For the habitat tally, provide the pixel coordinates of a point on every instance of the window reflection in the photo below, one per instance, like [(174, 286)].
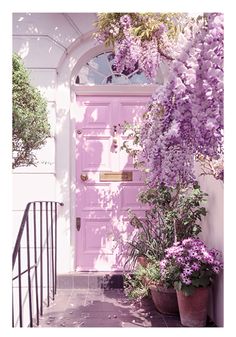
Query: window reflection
[(101, 70)]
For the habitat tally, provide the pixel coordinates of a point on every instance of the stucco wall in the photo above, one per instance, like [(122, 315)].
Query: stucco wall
[(213, 235), (43, 40), (51, 45)]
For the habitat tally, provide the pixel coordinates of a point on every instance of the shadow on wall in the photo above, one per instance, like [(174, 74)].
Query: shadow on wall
[(213, 234)]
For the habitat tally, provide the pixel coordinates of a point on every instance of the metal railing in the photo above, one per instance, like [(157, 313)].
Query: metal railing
[(37, 242)]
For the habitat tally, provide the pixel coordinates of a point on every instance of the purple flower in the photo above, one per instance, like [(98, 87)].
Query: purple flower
[(163, 263), (193, 253), (180, 260), (216, 269), (185, 279), (187, 271), (195, 266), (125, 20), (189, 264)]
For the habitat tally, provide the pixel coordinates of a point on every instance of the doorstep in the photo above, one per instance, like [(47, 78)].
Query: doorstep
[(90, 280)]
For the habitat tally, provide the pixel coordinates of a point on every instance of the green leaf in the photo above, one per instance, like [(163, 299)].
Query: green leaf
[(188, 290), (177, 285), (196, 282)]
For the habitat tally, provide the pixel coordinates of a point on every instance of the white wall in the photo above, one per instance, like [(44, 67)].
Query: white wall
[(50, 46), (43, 40), (213, 236)]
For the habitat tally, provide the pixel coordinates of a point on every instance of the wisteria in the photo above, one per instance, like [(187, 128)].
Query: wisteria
[(193, 264), (140, 40), (184, 121), (185, 118)]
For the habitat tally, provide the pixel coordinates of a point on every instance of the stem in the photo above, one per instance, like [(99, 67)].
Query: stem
[(164, 54)]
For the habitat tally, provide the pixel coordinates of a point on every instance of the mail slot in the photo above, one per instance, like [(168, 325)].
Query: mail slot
[(116, 176)]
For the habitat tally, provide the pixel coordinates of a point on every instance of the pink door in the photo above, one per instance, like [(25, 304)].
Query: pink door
[(104, 193)]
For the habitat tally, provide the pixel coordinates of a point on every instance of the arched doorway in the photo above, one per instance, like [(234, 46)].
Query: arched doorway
[(107, 184)]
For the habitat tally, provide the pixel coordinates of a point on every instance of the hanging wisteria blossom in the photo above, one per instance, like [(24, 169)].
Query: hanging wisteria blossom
[(184, 121), (139, 40), (186, 116)]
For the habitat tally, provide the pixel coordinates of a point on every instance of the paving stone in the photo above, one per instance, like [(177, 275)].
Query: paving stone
[(103, 308), (65, 282), (81, 282)]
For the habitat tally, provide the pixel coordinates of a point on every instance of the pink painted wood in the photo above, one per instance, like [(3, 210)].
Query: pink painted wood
[(102, 206)]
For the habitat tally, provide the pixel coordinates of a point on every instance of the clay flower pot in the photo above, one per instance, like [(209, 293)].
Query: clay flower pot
[(193, 308), (165, 299)]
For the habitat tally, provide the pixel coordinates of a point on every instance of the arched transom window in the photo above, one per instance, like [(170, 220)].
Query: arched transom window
[(101, 70)]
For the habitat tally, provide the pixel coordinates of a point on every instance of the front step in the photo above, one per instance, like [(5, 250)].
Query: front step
[(90, 280)]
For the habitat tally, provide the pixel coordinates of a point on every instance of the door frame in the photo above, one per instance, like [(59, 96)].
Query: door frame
[(93, 90)]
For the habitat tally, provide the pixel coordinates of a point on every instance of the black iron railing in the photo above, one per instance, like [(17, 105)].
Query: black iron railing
[(34, 263)]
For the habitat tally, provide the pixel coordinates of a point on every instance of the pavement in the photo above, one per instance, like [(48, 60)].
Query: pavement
[(103, 308)]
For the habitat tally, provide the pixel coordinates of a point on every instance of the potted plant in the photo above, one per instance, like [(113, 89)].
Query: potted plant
[(162, 292), (173, 214), (193, 268), (135, 286)]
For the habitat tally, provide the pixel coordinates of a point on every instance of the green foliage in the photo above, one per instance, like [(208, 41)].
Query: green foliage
[(137, 284), (180, 209), (152, 272), (174, 215), (134, 285), (150, 240), (30, 124), (144, 25)]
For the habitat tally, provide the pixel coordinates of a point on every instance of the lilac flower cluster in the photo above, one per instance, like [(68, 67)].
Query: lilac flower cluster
[(186, 117), (131, 50), (191, 261)]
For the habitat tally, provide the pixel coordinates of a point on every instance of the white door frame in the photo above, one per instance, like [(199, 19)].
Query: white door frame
[(94, 90)]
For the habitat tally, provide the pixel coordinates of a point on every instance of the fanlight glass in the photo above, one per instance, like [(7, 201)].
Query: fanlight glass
[(101, 70)]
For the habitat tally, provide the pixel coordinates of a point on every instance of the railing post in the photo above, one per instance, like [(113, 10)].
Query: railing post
[(47, 246), (41, 242), (28, 267), (55, 248), (19, 287), (52, 254), (36, 265), (41, 259)]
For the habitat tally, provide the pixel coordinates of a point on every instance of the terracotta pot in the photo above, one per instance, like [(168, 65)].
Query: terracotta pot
[(165, 299), (193, 309), (142, 260)]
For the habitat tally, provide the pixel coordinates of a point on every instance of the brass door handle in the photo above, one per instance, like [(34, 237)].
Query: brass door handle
[(84, 176)]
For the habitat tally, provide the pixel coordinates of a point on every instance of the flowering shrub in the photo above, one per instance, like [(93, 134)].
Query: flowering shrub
[(185, 118), (139, 38), (189, 264)]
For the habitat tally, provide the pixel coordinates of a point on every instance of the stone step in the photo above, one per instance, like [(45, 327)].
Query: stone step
[(90, 280)]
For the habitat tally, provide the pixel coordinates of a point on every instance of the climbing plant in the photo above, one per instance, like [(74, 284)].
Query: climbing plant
[(184, 120), (139, 38)]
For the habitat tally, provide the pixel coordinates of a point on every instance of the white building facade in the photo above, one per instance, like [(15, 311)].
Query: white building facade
[(55, 48)]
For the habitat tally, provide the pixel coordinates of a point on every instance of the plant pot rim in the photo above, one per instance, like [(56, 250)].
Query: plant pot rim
[(195, 288), (162, 288)]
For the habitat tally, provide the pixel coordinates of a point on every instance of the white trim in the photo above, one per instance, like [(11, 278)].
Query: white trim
[(115, 89), (67, 111)]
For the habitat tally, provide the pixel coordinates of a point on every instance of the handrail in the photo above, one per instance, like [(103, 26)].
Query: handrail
[(46, 226)]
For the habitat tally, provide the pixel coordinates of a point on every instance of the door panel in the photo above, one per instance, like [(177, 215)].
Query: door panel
[(102, 206)]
